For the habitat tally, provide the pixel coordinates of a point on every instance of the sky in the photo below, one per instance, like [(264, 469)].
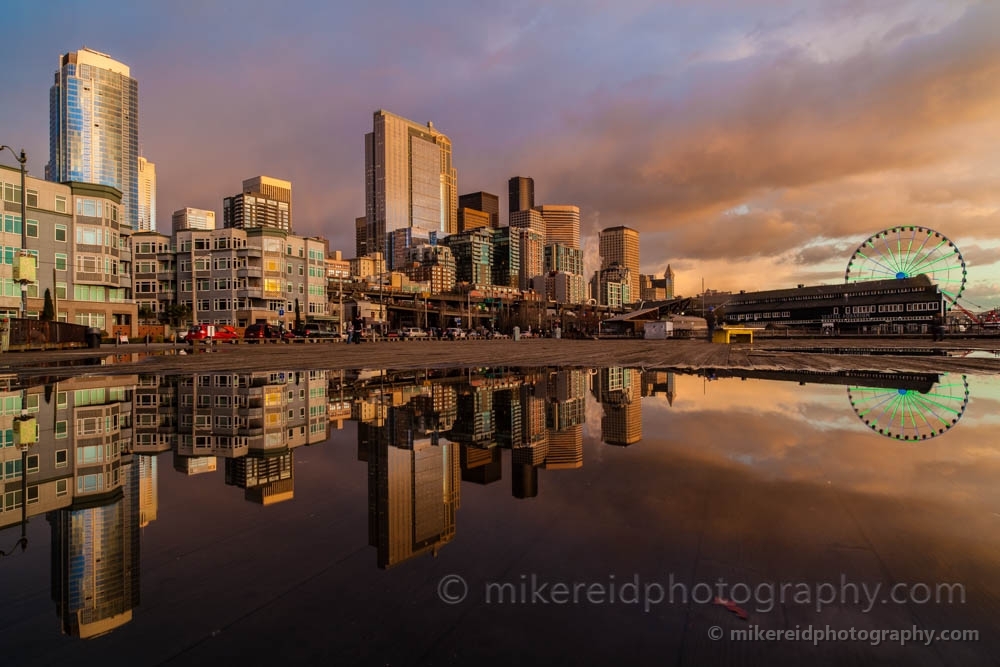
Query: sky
[(753, 144)]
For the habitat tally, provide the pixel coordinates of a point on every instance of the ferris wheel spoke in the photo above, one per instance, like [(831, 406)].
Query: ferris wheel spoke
[(888, 271), (920, 251), (889, 259), (929, 263)]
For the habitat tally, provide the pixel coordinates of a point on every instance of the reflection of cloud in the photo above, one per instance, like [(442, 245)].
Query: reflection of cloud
[(810, 433)]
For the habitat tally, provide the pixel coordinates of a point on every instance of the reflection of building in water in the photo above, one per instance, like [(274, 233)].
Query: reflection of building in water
[(232, 414), (148, 489), (566, 415), (474, 422), (267, 478), (95, 556), (194, 465), (659, 383), (155, 407), (413, 485), (619, 391), (254, 421), (481, 466)]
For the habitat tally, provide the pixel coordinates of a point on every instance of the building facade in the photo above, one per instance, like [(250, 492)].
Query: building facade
[(562, 224), (192, 218), (482, 201), (520, 194), (410, 182), (147, 195), (253, 209), (620, 245), (94, 127), (81, 243)]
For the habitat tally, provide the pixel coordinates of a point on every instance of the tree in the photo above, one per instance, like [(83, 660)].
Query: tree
[(49, 309), (145, 314), (176, 313)]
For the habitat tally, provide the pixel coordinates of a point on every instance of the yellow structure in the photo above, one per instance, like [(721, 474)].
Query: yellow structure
[(732, 335)]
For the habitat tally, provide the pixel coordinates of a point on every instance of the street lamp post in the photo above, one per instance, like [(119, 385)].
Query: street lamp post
[(25, 428), (23, 160)]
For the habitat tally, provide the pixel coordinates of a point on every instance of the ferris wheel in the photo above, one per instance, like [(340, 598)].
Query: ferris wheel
[(909, 414), (906, 252)]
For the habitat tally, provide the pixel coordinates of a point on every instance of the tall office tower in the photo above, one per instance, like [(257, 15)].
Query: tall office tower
[(485, 202), (528, 219), (264, 202), (470, 218), (520, 194), (409, 181), (620, 245), (147, 196), (94, 126), (192, 218), (562, 224), (360, 237)]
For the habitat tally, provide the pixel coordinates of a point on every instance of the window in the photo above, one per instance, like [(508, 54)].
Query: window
[(33, 228), (32, 494), (32, 198), (60, 232), (61, 487), (60, 204), (33, 463), (61, 261)]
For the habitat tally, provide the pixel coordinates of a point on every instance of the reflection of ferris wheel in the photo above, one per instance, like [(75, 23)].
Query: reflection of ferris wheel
[(908, 414), (906, 252)]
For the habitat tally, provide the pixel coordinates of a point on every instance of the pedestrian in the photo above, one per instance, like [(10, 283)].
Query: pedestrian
[(710, 322)]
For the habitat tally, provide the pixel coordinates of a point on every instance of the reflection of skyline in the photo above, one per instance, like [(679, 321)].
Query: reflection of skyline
[(419, 435)]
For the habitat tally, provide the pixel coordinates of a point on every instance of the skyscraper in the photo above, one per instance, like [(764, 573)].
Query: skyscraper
[(409, 181), (562, 224), (520, 194), (193, 218), (147, 196), (620, 245), (94, 126), (485, 202), (264, 202)]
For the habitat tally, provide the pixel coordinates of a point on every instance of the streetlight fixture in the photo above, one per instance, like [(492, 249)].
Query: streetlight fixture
[(24, 268)]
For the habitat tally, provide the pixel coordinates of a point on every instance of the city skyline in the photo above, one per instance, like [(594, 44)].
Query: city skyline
[(755, 148)]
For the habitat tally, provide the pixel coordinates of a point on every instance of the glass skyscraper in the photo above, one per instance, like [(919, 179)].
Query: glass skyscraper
[(94, 126), (409, 182)]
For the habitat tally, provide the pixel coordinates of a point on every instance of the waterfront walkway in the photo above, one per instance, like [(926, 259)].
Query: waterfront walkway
[(825, 354)]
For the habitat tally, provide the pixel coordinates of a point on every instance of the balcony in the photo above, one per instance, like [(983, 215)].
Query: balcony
[(249, 252), (250, 272)]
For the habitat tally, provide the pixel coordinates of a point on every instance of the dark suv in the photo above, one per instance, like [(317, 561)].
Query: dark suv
[(259, 332), (315, 331)]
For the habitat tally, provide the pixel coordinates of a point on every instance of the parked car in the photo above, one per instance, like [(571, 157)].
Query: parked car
[(208, 332), (454, 333), (315, 331), (256, 333), (413, 332)]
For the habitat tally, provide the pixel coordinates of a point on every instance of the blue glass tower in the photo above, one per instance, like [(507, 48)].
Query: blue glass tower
[(94, 126)]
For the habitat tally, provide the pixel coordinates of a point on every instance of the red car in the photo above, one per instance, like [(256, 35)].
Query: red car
[(259, 332), (206, 332)]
